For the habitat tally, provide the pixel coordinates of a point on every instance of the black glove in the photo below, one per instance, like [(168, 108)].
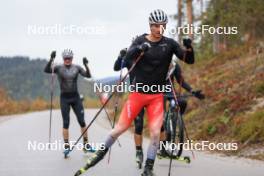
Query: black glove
[(85, 61), (187, 43), (52, 55), (144, 47), (123, 52), (198, 94)]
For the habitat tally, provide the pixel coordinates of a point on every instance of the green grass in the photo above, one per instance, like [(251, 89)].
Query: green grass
[(260, 88), (252, 130)]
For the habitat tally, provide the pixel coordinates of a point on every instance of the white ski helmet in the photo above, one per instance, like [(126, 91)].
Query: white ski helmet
[(67, 53), (158, 17)]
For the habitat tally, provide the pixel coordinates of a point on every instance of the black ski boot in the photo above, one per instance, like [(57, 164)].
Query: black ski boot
[(139, 158), (165, 154), (93, 160), (148, 169)]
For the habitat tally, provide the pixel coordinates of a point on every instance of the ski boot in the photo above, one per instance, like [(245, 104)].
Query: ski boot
[(164, 154), (93, 160), (139, 158), (148, 169), (88, 148), (67, 149)]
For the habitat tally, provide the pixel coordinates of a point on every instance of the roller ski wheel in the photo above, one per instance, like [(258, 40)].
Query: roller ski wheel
[(185, 159), (147, 173)]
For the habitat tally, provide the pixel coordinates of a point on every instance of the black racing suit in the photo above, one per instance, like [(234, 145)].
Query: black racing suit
[(69, 97), (152, 68), (151, 63), (139, 120)]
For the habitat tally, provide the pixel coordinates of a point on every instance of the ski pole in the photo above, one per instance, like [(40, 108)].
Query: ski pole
[(185, 129), (178, 109), (51, 100), (109, 98), (107, 114), (85, 62), (116, 104)]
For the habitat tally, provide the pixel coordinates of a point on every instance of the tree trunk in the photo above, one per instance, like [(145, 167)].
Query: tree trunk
[(190, 15), (179, 19), (201, 17)]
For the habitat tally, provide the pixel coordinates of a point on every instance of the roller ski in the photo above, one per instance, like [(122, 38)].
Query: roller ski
[(93, 160), (185, 159), (163, 154), (139, 158)]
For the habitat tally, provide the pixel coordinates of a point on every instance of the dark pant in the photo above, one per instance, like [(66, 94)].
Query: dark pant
[(182, 103), (73, 100), (139, 122)]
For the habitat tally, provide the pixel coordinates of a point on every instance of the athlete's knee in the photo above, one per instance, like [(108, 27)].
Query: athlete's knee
[(154, 132), (138, 127), (82, 123), (183, 105), (162, 129), (117, 131), (80, 118), (138, 130)]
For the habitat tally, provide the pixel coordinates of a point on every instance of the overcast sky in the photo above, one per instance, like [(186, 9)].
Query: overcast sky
[(118, 22)]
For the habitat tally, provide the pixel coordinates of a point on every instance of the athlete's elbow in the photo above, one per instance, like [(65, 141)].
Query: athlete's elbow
[(191, 61), (88, 76), (46, 70), (116, 68)]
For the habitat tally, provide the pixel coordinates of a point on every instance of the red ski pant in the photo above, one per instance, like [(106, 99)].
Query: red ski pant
[(153, 104)]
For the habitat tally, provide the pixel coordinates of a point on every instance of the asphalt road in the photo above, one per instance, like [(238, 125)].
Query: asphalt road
[(15, 159)]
